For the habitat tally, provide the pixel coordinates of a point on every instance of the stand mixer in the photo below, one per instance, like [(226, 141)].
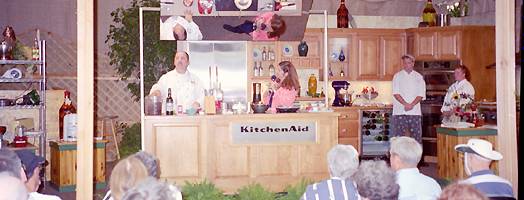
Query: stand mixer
[(338, 85)]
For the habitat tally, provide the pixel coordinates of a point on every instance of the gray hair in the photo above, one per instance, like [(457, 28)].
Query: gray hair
[(12, 187), (375, 180), (150, 188), (151, 163), (342, 161), (407, 149), (408, 56), (10, 163)]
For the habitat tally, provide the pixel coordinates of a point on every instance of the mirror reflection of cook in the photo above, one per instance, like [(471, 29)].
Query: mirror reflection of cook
[(285, 91), (461, 87), (180, 28), (186, 88)]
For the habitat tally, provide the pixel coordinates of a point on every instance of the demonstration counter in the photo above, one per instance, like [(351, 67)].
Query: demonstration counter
[(232, 151)]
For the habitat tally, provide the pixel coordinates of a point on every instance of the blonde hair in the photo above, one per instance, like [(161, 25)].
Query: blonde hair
[(125, 175), (458, 191)]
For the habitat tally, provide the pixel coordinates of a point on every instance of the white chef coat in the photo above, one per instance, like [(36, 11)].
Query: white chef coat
[(185, 88), (166, 28), (416, 186), (409, 86), (459, 87)]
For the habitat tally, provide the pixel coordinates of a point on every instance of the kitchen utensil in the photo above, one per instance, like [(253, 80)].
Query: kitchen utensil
[(259, 108)]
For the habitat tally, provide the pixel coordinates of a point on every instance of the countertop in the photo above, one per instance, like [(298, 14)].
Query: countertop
[(466, 131)]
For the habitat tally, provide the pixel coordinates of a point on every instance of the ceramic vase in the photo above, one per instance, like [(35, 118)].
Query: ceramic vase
[(302, 49)]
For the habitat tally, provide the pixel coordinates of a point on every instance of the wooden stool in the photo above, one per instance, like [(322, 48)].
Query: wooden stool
[(107, 136)]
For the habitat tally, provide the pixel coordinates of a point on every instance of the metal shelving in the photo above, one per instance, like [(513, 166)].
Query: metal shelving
[(40, 79)]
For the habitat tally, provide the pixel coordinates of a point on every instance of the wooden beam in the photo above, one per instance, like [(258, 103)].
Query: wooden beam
[(505, 67), (85, 74)]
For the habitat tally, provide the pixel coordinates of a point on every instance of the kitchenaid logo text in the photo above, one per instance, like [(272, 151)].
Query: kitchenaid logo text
[(273, 132), (268, 129)]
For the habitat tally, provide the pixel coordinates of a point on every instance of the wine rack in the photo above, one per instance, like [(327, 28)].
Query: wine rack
[(375, 127)]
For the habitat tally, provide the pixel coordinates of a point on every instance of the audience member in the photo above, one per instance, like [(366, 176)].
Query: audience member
[(14, 165), (151, 189), (405, 153), (459, 191), (12, 188), (478, 155), (180, 28), (342, 164), (126, 174), (376, 181), (151, 163)]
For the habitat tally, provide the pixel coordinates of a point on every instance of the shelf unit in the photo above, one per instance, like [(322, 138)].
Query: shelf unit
[(40, 78)]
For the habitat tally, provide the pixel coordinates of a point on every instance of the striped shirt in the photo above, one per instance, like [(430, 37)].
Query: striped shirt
[(490, 184), (332, 189)]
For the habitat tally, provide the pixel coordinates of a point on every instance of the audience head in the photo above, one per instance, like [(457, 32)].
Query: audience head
[(150, 162), (405, 152), (179, 32), (10, 163), (12, 188), (32, 166), (376, 181), (342, 161), (461, 73), (458, 191), (478, 155), (126, 174), (150, 189)]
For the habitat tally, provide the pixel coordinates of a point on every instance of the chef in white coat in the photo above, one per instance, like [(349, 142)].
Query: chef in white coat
[(187, 89)]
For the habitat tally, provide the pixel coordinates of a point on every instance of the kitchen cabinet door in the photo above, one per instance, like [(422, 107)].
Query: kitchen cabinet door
[(448, 45), (392, 48), (425, 45), (368, 56)]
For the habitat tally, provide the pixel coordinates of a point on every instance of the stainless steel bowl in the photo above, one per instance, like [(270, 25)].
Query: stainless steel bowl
[(259, 108)]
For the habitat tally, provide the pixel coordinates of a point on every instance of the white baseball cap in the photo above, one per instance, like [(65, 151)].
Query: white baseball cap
[(480, 147), (243, 4)]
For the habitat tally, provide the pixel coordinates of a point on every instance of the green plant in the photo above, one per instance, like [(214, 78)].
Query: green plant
[(124, 45), (296, 191), (204, 190), (254, 191), (131, 140)]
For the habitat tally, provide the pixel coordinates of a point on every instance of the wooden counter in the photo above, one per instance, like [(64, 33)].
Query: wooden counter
[(194, 148), (450, 163)]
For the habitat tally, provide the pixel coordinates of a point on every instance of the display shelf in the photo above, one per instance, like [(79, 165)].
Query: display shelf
[(22, 80), (20, 107), (20, 62), (375, 132)]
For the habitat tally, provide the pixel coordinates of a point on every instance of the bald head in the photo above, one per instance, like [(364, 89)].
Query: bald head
[(12, 188)]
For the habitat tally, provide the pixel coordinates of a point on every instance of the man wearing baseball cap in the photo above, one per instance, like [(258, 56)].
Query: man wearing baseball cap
[(478, 155)]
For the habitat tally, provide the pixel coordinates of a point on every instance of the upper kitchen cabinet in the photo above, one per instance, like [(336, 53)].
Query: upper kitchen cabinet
[(341, 53), (378, 53), (290, 50), (434, 43)]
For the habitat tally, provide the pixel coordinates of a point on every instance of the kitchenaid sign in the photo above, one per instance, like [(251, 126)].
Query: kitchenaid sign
[(273, 132)]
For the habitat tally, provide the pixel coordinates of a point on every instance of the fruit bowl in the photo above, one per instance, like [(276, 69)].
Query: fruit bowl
[(369, 96)]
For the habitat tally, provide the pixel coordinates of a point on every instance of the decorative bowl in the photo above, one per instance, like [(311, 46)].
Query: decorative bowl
[(369, 96), (287, 109), (259, 108)]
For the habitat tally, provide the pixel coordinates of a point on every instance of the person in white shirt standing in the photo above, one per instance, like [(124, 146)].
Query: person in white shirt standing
[(180, 28), (405, 153), (461, 90), (187, 89), (409, 89)]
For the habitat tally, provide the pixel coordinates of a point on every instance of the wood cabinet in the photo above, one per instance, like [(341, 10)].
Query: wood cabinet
[(440, 44), (349, 127), (368, 57)]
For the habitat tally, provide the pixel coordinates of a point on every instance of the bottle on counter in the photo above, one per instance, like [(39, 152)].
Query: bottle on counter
[(261, 69), (312, 85), (264, 53), (271, 54), (257, 93), (342, 15), (170, 105), (271, 70), (35, 51), (429, 14), (256, 72), (219, 98), (66, 108)]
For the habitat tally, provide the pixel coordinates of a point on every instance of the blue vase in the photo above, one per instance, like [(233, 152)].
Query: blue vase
[(341, 56), (302, 49)]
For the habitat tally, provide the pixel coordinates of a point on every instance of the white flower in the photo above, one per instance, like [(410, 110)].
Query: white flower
[(456, 4)]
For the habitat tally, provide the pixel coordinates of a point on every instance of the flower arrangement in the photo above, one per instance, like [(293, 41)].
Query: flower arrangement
[(463, 106), (458, 9)]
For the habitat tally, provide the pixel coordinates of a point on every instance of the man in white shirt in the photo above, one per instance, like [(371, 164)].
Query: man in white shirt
[(409, 89), (187, 89), (405, 153), (460, 92), (12, 188), (180, 28)]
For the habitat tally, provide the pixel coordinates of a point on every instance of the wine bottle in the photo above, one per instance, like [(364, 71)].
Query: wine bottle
[(270, 54), (264, 53), (429, 14), (35, 51), (169, 103), (66, 108), (271, 70), (342, 15)]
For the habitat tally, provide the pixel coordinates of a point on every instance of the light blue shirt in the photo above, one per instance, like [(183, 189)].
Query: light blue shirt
[(490, 184), (416, 186)]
